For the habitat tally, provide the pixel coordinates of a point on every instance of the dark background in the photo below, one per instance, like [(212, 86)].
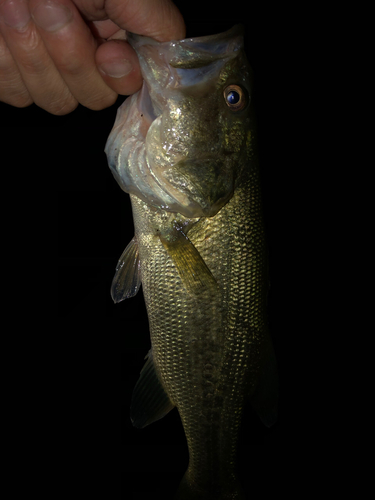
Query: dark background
[(77, 222)]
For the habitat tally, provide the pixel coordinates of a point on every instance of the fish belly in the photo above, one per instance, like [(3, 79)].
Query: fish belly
[(207, 347)]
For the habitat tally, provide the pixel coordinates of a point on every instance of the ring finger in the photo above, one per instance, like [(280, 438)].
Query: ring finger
[(12, 89), (39, 75)]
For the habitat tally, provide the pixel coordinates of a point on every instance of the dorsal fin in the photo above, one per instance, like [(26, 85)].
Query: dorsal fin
[(127, 279), (150, 402)]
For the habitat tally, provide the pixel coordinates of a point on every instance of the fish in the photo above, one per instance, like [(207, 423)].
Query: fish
[(184, 148)]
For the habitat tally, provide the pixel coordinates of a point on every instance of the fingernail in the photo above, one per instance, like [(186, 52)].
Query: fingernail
[(116, 69), (51, 16), (15, 13)]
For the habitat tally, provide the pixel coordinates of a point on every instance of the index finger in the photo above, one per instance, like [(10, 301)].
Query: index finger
[(158, 19)]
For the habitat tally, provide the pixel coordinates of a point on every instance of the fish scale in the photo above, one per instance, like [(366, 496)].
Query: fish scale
[(204, 397)]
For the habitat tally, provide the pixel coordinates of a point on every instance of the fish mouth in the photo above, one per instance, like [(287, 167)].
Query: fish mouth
[(169, 66), (188, 53), (146, 163)]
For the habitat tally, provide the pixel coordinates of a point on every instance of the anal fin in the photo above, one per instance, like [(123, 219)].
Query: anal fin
[(149, 402)]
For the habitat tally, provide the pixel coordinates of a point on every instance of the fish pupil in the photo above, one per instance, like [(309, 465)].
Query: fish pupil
[(233, 97)]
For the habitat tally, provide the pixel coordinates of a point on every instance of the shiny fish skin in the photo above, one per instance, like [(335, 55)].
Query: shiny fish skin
[(211, 349)]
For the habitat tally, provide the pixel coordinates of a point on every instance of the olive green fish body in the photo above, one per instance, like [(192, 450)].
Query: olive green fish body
[(207, 347), (200, 255)]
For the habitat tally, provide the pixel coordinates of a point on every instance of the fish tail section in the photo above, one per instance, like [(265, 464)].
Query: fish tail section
[(189, 490)]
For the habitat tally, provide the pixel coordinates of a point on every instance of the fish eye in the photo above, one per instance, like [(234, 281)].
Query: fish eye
[(235, 97)]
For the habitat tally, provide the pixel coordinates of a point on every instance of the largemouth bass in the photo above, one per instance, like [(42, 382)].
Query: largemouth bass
[(184, 148)]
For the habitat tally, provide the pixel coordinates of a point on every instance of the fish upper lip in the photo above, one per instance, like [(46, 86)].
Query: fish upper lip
[(203, 42)]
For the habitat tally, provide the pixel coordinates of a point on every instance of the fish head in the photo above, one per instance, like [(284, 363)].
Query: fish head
[(183, 142)]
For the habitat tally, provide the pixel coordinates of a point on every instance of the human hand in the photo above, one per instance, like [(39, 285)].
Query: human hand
[(55, 52)]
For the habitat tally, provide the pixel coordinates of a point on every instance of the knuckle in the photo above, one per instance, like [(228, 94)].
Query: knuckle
[(22, 102), (102, 102), (61, 108), (75, 60), (57, 103), (17, 100), (34, 60), (12, 89), (4, 51), (71, 66)]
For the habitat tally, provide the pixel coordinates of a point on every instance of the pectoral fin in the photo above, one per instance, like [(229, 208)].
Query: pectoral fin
[(189, 263), (127, 279), (150, 402)]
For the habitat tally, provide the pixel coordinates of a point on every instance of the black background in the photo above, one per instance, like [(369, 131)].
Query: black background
[(75, 221)]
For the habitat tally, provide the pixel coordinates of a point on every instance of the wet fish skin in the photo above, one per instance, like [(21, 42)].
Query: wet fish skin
[(193, 180)]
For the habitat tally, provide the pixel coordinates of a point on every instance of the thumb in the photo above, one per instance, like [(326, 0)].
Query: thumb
[(158, 19)]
